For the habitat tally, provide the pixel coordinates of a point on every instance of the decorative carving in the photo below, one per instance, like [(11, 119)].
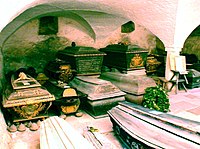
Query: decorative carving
[(85, 60), (124, 57), (29, 111), (22, 76), (136, 61), (66, 73), (107, 89), (69, 109)]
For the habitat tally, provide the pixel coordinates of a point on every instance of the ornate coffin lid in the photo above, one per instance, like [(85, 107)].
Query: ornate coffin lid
[(96, 88), (123, 48), (22, 83), (27, 96), (80, 51)]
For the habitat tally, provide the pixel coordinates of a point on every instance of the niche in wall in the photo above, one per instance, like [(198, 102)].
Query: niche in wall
[(128, 27), (48, 25)]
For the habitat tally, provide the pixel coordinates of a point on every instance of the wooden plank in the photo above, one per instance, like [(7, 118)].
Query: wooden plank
[(73, 135), (64, 134), (57, 133), (43, 138), (48, 139), (53, 138)]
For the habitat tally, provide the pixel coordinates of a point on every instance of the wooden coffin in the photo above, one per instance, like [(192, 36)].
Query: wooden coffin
[(140, 127), (27, 98), (85, 60), (59, 70), (124, 57), (101, 95), (67, 99)]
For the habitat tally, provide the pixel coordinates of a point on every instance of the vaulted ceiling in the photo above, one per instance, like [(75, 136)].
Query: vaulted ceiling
[(171, 21)]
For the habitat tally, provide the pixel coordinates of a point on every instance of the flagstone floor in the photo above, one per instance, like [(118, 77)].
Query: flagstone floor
[(183, 104), (186, 104)]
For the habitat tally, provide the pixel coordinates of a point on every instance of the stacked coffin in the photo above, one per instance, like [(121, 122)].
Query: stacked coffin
[(130, 77), (98, 96), (70, 62), (101, 95), (124, 57), (132, 84), (85, 60)]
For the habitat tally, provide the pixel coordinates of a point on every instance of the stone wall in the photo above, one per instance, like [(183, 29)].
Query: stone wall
[(192, 46), (25, 48)]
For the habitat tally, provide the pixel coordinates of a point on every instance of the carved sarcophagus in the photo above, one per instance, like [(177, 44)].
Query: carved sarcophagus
[(101, 95), (124, 57), (27, 99), (85, 60)]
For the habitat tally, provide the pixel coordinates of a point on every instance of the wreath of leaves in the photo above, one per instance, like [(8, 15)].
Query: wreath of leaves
[(156, 98)]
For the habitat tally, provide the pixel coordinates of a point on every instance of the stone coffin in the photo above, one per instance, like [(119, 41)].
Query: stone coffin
[(101, 95), (133, 85), (124, 57), (85, 60)]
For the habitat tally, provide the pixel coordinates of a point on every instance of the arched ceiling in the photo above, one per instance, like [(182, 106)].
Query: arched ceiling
[(96, 24), (171, 21)]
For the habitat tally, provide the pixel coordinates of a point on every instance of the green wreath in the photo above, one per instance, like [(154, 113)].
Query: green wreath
[(156, 98)]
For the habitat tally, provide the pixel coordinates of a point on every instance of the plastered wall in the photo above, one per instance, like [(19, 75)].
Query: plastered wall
[(26, 48)]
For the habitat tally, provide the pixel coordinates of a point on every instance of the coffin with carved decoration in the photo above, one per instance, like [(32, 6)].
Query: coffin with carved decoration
[(27, 98)]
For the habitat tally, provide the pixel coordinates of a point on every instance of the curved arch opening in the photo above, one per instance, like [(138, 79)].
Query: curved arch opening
[(191, 49)]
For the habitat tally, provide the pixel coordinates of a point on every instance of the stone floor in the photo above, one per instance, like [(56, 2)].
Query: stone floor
[(186, 104), (183, 104)]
